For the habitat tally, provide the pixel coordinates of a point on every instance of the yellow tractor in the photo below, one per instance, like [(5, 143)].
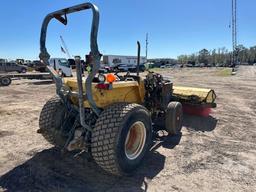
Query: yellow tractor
[(111, 116)]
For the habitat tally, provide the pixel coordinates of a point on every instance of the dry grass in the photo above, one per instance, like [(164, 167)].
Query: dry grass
[(224, 72)]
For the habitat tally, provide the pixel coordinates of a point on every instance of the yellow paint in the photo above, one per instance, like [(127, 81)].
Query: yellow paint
[(122, 91), (134, 92), (207, 95)]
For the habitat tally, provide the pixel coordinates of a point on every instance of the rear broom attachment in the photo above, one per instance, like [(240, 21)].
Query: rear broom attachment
[(196, 110), (195, 101)]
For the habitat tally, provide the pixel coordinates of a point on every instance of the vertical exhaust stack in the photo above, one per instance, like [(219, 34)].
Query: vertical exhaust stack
[(138, 58)]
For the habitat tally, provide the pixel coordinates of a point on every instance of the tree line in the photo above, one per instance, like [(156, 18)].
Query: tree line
[(220, 56)]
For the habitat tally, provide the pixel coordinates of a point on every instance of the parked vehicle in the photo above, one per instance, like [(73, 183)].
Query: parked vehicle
[(219, 65), (12, 67), (62, 66), (3, 60), (130, 67), (27, 62), (189, 65), (105, 69), (169, 65), (142, 67), (19, 61), (148, 65), (72, 63), (39, 66), (133, 68), (202, 65), (158, 64), (113, 60), (121, 67)]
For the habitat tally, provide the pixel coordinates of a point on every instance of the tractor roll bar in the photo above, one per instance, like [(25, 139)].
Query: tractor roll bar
[(61, 16)]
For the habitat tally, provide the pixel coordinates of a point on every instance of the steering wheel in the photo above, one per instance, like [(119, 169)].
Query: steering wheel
[(127, 74), (120, 78), (125, 77)]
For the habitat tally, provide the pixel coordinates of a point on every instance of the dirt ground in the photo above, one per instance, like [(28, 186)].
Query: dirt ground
[(217, 153)]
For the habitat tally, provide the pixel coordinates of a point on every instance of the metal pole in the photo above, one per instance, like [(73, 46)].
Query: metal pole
[(65, 47), (80, 92), (234, 33), (146, 46)]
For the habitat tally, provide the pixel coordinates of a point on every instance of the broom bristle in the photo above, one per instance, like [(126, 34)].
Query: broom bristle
[(195, 110)]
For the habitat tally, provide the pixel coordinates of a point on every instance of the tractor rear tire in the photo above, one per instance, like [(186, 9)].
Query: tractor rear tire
[(121, 138), (51, 118), (173, 118)]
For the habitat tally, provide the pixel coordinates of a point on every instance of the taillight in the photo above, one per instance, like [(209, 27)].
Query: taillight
[(102, 86)]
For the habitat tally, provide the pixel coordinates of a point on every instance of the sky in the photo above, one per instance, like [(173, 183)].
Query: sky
[(175, 27)]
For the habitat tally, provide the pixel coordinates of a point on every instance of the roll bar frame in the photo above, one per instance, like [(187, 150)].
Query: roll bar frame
[(44, 56)]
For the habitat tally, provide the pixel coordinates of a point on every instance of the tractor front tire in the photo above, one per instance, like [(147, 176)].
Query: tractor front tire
[(173, 118), (51, 118), (121, 138)]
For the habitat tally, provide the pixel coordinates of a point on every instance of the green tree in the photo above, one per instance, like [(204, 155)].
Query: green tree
[(204, 56)]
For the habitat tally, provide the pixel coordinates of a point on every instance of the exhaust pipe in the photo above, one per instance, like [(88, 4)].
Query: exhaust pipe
[(138, 58)]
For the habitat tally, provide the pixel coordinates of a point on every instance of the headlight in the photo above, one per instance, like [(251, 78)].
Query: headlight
[(102, 78)]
